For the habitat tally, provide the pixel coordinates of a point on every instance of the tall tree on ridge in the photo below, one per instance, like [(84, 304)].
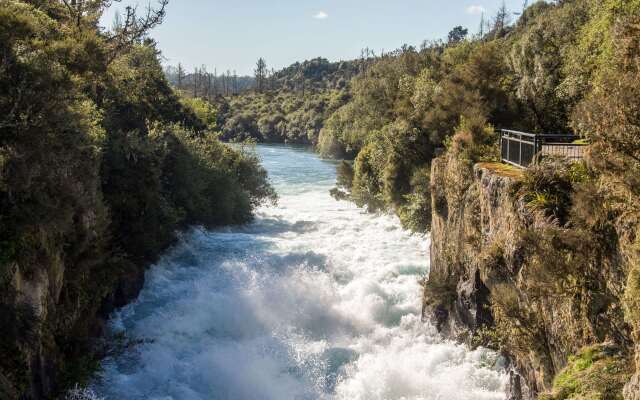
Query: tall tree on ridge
[(195, 82), (261, 74), (235, 82), (501, 20), (180, 75), (457, 34)]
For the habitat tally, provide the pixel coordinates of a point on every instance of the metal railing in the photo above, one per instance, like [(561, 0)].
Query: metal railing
[(523, 149)]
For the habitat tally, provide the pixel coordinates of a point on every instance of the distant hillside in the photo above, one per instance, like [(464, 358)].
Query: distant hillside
[(202, 83), (293, 106), (318, 74)]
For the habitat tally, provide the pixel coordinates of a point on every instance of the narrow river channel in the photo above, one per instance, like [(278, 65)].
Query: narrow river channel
[(314, 300)]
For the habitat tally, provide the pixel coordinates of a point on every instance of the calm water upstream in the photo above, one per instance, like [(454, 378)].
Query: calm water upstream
[(314, 300)]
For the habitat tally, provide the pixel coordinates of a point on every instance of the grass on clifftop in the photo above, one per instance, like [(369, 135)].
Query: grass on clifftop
[(596, 373), (502, 169)]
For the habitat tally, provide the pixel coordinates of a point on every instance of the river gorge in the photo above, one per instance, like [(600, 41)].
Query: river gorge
[(316, 299)]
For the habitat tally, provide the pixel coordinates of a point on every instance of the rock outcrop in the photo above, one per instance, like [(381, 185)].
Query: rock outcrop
[(507, 276)]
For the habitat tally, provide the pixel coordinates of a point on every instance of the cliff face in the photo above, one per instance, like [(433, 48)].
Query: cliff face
[(61, 307), (509, 277)]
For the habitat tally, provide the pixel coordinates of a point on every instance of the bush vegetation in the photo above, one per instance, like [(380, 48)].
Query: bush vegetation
[(101, 162), (394, 112), (596, 372), (291, 105), (547, 72)]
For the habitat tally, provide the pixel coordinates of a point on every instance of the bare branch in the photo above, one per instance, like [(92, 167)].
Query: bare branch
[(134, 28)]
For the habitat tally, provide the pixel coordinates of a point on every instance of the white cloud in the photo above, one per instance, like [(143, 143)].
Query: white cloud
[(321, 15), (475, 10)]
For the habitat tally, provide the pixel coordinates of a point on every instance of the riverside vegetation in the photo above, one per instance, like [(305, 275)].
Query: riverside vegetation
[(541, 264), (100, 164)]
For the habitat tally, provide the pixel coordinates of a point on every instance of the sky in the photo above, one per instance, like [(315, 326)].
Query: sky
[(233, 34)]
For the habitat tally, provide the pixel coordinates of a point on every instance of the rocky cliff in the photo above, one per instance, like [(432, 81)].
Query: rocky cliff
[(510, 271)]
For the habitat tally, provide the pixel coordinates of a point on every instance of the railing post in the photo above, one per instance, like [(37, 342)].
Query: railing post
[(520, 151), (509, 149)]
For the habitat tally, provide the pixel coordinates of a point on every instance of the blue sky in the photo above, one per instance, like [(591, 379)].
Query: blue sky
[(232, 34)]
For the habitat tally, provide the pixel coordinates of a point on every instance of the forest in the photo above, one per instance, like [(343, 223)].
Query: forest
[(392, 113), (106, 156), (101, 164)]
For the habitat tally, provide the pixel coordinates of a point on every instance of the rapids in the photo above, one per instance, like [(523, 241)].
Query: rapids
[(314, 300)]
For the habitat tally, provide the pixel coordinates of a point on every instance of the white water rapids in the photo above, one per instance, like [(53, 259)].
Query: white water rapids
[(314, 300)]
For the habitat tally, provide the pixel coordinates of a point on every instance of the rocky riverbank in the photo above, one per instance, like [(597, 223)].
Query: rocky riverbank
[(508, 274)]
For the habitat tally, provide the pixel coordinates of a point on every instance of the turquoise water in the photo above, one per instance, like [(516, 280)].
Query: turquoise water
[(314, 300)]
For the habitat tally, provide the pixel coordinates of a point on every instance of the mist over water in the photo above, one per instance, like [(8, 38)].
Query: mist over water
[(314, 300)]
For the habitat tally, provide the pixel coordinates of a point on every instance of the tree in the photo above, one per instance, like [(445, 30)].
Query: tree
[(261, 74), (215, 82), (129, 30), (272, 79), (501, 20), (195, 82), (180, 73), (457, 34), (203, 81), (481, 30), (235, 82)]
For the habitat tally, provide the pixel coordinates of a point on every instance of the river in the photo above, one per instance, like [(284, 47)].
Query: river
[(314, 300)]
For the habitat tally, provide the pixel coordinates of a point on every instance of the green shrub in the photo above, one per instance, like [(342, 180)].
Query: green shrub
[(415, 214), (548, 187), (598, 372), (439, 291), (204, 110), (100, 164), (366, 185)]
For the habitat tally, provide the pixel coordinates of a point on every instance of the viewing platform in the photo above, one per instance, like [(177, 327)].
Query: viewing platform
[(523, 149)]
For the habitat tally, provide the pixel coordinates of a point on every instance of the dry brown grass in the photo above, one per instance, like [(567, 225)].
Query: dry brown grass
[(503, 169)]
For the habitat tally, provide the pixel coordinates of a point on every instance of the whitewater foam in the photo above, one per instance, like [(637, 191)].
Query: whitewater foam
[(314, 300)]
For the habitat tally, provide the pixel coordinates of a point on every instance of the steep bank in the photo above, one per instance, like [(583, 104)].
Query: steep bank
[(100, 165), (295, 305), (507, 273)]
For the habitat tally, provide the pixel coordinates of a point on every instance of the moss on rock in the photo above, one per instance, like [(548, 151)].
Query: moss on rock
[(597, 372)]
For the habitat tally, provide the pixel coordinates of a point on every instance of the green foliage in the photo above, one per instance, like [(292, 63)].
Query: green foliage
[(280, 116), (487, 337), (293, 105), (595, 55), (457, 34), (474, 140), (345, 175), (406, 106), (100, 164), (551, 72), (415, 214), (365, 186), (316, 75), (344, 181), (608, 116), (537, 57), (197, 166), (548, 187), (598, 372), (438, 291), (204, 110)]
